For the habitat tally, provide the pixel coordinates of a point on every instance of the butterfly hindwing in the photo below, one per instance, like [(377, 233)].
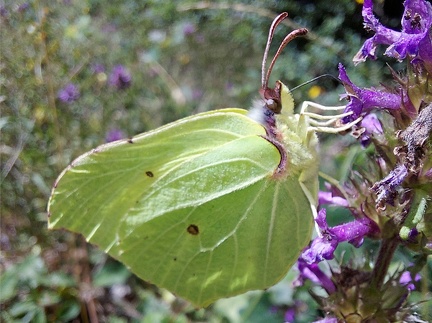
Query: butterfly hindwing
[(192, 207)]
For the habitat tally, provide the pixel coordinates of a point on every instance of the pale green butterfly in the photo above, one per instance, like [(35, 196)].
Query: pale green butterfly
[(209, 206)]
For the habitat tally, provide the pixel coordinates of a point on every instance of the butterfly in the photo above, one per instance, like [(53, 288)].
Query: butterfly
[(209, 206)]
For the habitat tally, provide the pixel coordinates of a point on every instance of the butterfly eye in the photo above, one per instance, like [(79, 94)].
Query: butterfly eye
[(271, 104)]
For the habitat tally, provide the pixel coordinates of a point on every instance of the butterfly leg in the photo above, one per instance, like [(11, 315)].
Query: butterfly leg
[(312, 203), (326, 123)]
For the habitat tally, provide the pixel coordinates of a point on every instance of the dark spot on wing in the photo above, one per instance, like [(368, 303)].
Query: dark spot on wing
[(149, 174), (193, 229)]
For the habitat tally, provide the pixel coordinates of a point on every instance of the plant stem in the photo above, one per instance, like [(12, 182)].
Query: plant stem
[(388, 247), (385, 255)]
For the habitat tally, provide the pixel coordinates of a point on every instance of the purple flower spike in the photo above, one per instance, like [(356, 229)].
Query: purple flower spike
[(414, 40), (362, 101), (323, 247), (69, 93), (120, 77)]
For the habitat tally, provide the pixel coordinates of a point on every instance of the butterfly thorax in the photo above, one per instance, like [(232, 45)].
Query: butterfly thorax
[(289, 133)]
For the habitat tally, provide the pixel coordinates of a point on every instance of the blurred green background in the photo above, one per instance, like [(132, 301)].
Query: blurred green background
[(175, 59)]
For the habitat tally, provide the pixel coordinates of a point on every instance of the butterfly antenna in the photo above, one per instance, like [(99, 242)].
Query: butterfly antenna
[(295, 33), (275, 23), (287, 39), (315, 79)]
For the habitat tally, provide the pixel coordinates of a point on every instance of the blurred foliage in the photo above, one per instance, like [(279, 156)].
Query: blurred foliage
[(183, 57)]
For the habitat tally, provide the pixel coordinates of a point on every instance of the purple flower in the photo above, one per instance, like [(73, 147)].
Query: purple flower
[(407, 280), (323, 247), (414, 40), (290, 315), (113, 135), (386, 189), (120, 77), (189, 28), (23, 7), (3, 11), (69, 93), (362, 101), (98, 68)]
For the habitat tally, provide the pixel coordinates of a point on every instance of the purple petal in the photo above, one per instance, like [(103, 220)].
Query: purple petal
[(417, 17), (324, 246), (354, 231), (320, 249), (328, 198), (313, 273), (424, 54), (382, 35), (406, 280), (372, 124), (369, 126)]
